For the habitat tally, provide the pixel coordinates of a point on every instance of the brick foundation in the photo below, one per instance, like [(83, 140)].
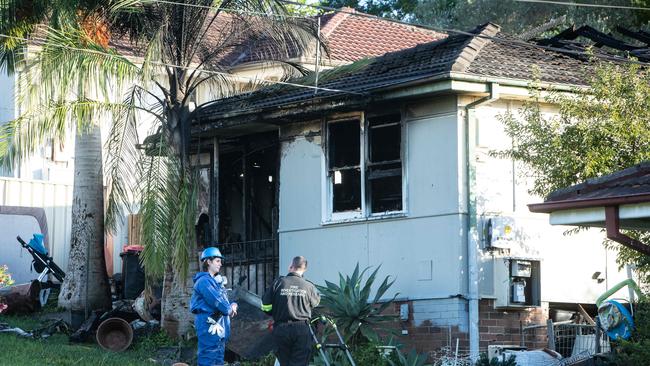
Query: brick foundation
[(499, 326), (437, 324)]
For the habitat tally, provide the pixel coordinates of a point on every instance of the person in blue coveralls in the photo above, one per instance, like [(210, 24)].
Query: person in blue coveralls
[(212, 308)]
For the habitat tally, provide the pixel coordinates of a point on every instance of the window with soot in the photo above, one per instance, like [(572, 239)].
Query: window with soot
[(365, 168)]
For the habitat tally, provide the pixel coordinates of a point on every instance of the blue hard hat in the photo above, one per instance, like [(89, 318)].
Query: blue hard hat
[(211, 252)]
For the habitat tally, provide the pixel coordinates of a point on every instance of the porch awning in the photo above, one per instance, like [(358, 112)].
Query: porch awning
[(616, 201), (585, 204)]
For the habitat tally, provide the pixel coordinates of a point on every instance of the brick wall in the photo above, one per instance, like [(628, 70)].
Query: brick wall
[(499, 326), (435, 324)]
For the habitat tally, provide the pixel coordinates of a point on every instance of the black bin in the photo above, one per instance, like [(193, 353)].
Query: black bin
[(132, 275)]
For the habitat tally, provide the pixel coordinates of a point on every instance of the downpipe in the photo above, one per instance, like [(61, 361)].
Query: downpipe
[(471, 222)]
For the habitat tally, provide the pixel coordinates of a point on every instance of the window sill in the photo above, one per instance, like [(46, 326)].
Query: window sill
[(374, 217)]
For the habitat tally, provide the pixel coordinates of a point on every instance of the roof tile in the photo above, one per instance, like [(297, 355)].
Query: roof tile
[(486, 53)]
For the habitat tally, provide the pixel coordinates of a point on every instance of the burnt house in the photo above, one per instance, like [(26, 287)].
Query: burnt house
[(387, 162)]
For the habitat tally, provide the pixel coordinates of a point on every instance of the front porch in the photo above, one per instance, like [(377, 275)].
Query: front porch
[(240, 189)]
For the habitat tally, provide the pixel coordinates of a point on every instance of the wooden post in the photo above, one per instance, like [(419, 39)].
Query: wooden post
[(550, 334), (214, 191), (245, 198)]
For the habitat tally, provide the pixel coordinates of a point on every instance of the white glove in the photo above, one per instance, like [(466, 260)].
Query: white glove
[(216, 328), (223, 280)]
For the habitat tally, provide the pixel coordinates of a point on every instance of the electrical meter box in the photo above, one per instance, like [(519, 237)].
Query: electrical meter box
[(498, 232), (517, 282), (520, 268)]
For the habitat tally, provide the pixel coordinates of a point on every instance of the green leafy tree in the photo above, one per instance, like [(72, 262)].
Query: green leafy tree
[(179, 58), (398, 9), (516, 17), (597, 131), (302, 8)]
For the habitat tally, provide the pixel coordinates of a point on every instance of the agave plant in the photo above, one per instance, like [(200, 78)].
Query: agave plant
[(351, 306), (412, 358)]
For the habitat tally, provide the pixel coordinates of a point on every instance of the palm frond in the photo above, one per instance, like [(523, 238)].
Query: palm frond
[(121, 162), (23, 136), (69, 63), (156, 212)]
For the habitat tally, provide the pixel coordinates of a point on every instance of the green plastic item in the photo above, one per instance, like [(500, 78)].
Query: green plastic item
[(629, 282)]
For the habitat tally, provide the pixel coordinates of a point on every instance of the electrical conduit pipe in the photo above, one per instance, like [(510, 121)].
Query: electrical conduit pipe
[(471, 223)]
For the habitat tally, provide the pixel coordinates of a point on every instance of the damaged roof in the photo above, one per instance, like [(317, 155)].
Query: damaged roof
[(631, 185), (484, 51)]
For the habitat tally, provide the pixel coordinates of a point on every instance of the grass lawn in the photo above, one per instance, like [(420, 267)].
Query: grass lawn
[(56, 350)]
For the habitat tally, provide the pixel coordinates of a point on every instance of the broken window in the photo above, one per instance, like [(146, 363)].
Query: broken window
[(384, 167), (345, 165), (365, 180)]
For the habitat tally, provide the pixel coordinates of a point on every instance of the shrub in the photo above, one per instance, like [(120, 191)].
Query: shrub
[(485, 361), (5, 277), (409, 359), (367, 354), (268, 360), (5, 280), (630, 353)]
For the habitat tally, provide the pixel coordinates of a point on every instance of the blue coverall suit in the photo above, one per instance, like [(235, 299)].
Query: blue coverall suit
[(209, 297)]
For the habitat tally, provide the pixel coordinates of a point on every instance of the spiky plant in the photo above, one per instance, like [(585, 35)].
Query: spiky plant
[(350, 304)]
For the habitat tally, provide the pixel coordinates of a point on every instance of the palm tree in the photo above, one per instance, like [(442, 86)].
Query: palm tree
[(185, 48), (46, 81), (183, 56)]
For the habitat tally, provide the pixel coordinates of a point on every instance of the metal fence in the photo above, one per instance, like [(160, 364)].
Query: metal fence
[(55, 199), (579, 339), (252, 265), (572, 341)]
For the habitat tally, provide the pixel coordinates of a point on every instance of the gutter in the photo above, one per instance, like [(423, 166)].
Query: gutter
[(461, 76), (391, 89), (471, 224), (612, 223), (550, 207), (514, 82)]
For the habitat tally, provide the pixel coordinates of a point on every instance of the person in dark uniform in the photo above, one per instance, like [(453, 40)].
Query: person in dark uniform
[(290, 301)]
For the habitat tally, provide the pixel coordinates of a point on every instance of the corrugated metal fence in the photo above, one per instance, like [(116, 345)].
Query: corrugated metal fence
[(55, 199)]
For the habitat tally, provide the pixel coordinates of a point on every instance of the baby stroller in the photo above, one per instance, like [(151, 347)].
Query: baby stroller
[(44, 265)]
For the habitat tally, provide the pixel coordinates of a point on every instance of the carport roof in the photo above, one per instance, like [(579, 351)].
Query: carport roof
[(584, 204)]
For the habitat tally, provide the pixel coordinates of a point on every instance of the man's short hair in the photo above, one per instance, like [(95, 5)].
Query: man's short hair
[(299, 262)]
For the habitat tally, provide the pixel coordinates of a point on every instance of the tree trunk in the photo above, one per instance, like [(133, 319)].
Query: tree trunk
[(177, 319), (85, 287)]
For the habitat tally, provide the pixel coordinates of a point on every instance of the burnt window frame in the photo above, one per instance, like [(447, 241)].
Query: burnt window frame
[(365, 212), (352, 214), (368, 165)]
